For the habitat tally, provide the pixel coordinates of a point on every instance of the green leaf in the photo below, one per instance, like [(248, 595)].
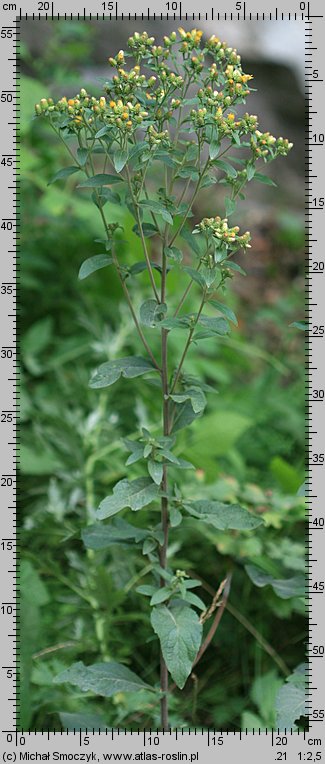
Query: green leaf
[(136, 449), (157, 208), (152, 312), (102, 179), (179, 631), (291, 700), (61, 174), (111, 371), (208, 180), (145, 589), (225, 310), (215, 325), (140, 267), (103, 131), (214, 149), (193, 599), (230, 206), (223, 516), (166, 158), (192, 151), (173, 253), (226, 167), (135, 494), (175, 323), (209, 274), (149, 545), (264, 179), (235, 267), (82, 155), (195, 275), (301, 325), (161, 595), (103, 679), (106, 195), (99, 536), (120, 158), (137, 149), (155, 470), (147, 228), (82, 722), (250, 171), (188, 172), (191, 240), (175, 517), (93, 264), (195, 395), (184, 416), (283, 587)]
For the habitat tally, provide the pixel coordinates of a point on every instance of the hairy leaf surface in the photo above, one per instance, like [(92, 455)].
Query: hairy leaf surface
[(111, 371), (223, 516), (102, 678), (135, 494), (179, 631)]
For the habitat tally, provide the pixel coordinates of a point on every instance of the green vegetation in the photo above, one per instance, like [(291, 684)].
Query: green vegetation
[(83, 609)]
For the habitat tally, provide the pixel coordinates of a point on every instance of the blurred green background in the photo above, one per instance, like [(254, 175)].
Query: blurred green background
[(249, 446)]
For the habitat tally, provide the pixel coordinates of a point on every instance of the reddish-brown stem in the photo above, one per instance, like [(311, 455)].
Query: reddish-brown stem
[(164, 488)]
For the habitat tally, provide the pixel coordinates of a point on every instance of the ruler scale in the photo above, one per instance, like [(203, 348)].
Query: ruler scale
[(190, 745)]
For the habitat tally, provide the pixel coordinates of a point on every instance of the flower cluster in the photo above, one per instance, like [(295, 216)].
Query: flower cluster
[(156, 138), (219, 229), (147, 94), (190, 40), (84, 109), (136, 100), (268, 147)]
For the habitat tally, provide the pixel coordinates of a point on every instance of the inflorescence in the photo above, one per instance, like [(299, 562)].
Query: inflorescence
[(194, 87), (135, 100)]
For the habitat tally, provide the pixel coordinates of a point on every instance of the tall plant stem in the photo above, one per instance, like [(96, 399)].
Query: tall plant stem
[(143, 241), (164, 488), (187, 345)]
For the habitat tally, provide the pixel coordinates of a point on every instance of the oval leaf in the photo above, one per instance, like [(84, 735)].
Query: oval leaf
[(99, 536), (111, 371), (283, 587), (135, 494), (193, 394), (62, 174), (180, 632), (223, 516), (102, 678), (215, 325), (120, 159), (152, 312), (291, 699), (93, 264), (103, 179), (155, 470), (158, 209)]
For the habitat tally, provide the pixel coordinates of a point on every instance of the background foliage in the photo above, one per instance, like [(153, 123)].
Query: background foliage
[(79, 605)]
